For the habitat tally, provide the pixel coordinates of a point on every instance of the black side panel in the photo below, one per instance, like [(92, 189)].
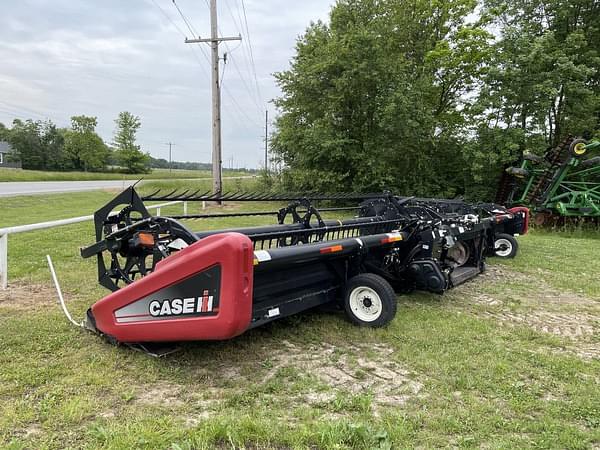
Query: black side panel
[(283, 292)]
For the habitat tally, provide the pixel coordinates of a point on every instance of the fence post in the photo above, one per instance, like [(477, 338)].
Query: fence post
[(185, 210), (158, 211), (4, 261)]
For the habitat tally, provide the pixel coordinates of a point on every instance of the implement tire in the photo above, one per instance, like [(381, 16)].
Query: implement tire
[(505, 246), (369, 300)]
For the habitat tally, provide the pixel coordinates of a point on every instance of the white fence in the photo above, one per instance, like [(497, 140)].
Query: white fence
[(4, 232)]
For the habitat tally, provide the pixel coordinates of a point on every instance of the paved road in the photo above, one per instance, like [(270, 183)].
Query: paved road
[(9, 188)]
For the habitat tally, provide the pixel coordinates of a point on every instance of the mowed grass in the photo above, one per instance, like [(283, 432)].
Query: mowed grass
[(461, 380), (39, 175)]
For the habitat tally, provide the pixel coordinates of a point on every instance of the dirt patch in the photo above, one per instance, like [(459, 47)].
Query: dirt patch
[(30, 431), (165, 394), (195, 420), (33, 429), (21, 296), (568, 315), (571, 326), (348, 369), (502, 274), (586, 351)]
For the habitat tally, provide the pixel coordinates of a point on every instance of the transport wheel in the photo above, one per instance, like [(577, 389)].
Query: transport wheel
[(369, 300), (505, 246), (578, 148), (540, 218)]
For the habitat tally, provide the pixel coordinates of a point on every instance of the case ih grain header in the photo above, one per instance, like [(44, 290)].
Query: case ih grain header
[(563, 184), (170, 283)]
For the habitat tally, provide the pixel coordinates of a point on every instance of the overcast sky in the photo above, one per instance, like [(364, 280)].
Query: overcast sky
[(63, 57)]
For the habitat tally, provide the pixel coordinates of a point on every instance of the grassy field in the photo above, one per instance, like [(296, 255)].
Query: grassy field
[(37, 175), (509, 360)]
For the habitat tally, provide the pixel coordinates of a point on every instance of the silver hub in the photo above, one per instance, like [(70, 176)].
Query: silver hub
[(365, 304), (503, 247)]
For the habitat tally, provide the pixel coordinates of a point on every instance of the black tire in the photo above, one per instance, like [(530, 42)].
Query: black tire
[(369, 300), (577, 148), (505, 246)]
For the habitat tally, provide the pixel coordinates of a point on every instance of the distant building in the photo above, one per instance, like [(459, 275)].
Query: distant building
[(5, 151)]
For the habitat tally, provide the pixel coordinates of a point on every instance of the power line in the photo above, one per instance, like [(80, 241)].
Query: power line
[(182, 33), (240, 112), (187, 23), (256, 100), (214, 40), (169, 18), (240, 29), (246, 48), (250, 47), (192, 30)]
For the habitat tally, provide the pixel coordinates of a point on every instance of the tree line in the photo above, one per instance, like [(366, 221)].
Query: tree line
[(41, 145), (435, 97)]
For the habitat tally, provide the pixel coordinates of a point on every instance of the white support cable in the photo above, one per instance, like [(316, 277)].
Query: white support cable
[(60, 294)]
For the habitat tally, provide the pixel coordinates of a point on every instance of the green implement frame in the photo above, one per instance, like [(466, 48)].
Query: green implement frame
[(564, 182)]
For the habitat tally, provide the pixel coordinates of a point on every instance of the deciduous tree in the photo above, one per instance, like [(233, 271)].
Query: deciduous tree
[(128, 152), (83, 147)]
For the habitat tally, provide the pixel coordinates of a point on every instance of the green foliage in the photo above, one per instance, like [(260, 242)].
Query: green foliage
[(42, 146), (38, 145), (128, 152), (423, 98), (542, 83), (371, 100), (83, 147)]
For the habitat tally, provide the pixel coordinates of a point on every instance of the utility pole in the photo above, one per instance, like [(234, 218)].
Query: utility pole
[(170, 144), (214, 41), (267, 141)]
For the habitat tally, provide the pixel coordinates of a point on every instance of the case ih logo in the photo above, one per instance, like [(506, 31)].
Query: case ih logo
[(181, 306), (179, 300)]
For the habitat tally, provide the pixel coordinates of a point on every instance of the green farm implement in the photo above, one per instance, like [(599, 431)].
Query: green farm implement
[(564, 183)]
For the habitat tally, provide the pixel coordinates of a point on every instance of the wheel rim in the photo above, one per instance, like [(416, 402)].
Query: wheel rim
[(540, 218), (503, 247), (365, 304), (579, 148)]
